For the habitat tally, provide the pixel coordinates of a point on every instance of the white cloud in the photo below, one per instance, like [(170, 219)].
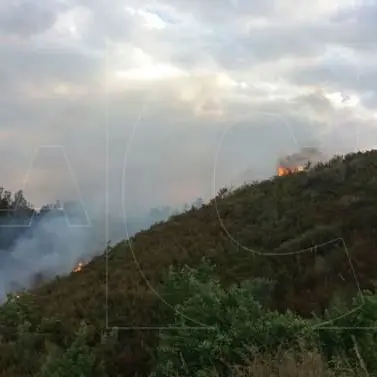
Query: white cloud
[(150, 20), (143, 66), (71, 24), (157, 71)]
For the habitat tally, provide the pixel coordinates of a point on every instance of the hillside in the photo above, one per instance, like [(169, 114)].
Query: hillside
[(268, 229)]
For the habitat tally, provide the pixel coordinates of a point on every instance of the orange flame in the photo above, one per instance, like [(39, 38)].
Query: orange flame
[(284, 171), (79, 267)]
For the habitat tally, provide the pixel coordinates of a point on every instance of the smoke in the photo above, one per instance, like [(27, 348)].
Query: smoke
[(55, 241), (51, 248), (302, 157)]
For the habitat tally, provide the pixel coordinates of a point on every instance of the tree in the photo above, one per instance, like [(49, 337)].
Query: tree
[(238, 324), (77, 361)]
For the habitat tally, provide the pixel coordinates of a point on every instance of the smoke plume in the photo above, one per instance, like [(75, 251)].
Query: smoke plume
[(302, 157), (55, 242)]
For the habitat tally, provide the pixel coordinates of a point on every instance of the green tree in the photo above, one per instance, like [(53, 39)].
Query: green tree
[(77, 361), (235, 324)]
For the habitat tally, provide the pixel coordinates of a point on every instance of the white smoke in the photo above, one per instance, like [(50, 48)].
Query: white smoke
[(54, 245), (302, 157)]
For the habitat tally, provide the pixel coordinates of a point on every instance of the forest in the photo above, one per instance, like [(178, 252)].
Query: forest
[(273, 278)]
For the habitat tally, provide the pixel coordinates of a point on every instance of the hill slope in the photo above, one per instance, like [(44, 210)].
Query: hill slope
[(267, 229)]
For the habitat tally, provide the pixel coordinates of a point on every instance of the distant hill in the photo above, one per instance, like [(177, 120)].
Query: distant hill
[(314, 232)]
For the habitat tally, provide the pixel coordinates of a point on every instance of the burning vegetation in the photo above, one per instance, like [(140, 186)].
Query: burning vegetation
[(79, 267), (284, 170), (297, 162)]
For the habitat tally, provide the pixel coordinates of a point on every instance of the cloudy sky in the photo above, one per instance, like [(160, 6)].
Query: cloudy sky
[(177, 92)]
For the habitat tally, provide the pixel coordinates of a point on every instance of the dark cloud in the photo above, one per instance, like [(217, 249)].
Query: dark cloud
[(356, 25), (342, 75), (220, 11), (40, 65), (28, 17)]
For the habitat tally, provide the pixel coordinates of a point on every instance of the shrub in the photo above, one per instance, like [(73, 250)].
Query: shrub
[(77, 361), (353, 331), (236, 326)]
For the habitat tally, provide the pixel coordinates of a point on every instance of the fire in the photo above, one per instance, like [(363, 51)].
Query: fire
[(79, 267), (284, 171), (298, 161)]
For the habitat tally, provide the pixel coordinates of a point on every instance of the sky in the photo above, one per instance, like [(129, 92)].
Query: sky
[(159, 102)]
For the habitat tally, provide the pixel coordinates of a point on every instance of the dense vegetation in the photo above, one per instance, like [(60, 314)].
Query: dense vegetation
[(287, 286)]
